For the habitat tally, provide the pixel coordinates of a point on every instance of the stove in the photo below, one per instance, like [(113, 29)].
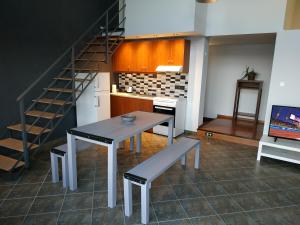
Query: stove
[(170, 106)]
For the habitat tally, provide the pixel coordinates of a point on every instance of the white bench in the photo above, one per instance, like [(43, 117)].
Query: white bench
[(144, 173), (61, 152)]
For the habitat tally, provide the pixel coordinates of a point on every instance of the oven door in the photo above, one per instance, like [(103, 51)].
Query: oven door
[(165, 110)]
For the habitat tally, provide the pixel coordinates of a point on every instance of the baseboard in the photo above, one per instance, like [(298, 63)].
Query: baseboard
[(219, 116)]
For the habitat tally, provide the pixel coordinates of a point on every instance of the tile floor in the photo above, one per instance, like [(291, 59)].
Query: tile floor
[(230, 188)]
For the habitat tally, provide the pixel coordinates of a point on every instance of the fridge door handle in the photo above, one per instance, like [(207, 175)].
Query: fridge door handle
[(97, 101)]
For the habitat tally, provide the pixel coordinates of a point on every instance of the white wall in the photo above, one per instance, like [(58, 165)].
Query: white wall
[(286, 71), (225, 67), (196, 85), (229, 17), (159, 16)]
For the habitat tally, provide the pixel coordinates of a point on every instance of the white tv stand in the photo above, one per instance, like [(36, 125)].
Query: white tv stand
[(282, 149)]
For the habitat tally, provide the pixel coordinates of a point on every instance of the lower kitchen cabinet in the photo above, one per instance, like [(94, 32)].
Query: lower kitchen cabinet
[(122, 105)]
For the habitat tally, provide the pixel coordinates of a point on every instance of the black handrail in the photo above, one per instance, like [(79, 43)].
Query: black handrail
[(21, 96)]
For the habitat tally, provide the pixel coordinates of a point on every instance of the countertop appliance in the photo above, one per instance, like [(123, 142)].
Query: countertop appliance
[(94, 104), (170, 106)]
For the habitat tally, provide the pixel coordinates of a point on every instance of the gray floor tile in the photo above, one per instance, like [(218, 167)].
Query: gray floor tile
[(100, 199), (197, 207), (41, 219), (255, 185), (161, 180), (5, 190), (275, 198), (107, 216), (32, 177), (209, 220), (186, 191), (179, 179), (293, 195), (12, 220), (78, 201), (211, 189), (238, 219), (135, 218), (15, 207), (198, 176), (267, 217), (83, 186), (24, 190), (234, 187), (52, 189), (250, 201), (100, 185), (162, 193), (170, 210), (81, 217), (47, 204), (224, 204), (176, 222)]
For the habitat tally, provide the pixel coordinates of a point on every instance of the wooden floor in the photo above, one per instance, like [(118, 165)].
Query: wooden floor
[(240, 131)]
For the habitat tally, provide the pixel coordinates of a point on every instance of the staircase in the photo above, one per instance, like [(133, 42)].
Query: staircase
[(39, 117)]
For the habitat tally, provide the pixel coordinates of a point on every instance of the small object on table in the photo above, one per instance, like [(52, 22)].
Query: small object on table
[(128, 118)]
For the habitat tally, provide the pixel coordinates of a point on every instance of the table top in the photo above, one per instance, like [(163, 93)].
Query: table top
[(114, 129)]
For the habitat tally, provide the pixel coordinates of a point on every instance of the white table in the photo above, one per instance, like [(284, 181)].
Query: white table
[(109, 133)]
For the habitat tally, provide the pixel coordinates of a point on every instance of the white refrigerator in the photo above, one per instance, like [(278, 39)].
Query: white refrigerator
[(94, 104)]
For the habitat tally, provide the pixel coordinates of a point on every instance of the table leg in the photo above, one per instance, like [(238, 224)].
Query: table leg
[(131, 143), (72, 162), (112, 175), (170, 131), (138, 142)]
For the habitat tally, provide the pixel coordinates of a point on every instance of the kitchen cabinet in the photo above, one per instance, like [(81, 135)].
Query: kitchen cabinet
[(144, 56), (122, 105)]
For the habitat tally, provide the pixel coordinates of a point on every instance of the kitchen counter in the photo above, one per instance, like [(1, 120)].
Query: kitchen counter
[(132, 95)]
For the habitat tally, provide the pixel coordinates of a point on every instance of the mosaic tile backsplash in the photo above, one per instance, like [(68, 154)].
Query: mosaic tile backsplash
[(170, 85)]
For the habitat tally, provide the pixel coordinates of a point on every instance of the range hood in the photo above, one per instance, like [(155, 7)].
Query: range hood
[(171, 69)]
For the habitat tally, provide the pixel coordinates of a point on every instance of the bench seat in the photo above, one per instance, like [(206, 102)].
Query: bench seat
[(144, 173)]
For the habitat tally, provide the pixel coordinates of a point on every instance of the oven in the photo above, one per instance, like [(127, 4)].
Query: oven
[(165, 110), (170, 106)]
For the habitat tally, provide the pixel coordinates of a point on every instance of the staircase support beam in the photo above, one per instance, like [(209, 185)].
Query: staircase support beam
[(24, 133)]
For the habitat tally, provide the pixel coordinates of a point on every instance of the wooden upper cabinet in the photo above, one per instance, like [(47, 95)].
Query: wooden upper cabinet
[(145, 56), (123, 58)]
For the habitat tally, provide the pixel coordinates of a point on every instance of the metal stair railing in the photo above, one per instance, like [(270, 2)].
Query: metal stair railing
[(90, 32)]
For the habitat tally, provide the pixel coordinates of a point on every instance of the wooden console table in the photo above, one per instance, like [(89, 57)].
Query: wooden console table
[(247, 84)]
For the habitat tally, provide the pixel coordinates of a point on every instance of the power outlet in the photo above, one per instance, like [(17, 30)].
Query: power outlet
[(209, 134)]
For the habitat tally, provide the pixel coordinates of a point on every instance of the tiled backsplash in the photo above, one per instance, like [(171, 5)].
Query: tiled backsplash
[(171, 85)]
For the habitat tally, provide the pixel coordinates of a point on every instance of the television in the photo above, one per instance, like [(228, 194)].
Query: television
[(285, 122)]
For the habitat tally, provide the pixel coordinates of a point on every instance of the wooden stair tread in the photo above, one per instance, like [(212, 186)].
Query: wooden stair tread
[(65, 90), (15, 144), (82, 69), (29, 128), (69, 79), (91, 60), (42, 114), (7, 163), (52, 101)]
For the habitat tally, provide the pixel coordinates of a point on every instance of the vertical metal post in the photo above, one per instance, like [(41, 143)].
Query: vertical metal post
[(24, 133), (73, 75), (106, 38)]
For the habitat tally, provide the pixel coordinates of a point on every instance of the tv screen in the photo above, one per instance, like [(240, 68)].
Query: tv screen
[(285, 122)]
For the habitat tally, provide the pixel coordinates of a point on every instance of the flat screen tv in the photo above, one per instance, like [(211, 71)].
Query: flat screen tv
[(285, 122)]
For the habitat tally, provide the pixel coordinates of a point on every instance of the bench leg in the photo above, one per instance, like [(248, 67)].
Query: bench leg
[(170, 131), (131, 143), (54, 168), (72, 164), (65, 173), (183, 160), (145, 204), (128, 197), (197, 156), (138, 142)]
